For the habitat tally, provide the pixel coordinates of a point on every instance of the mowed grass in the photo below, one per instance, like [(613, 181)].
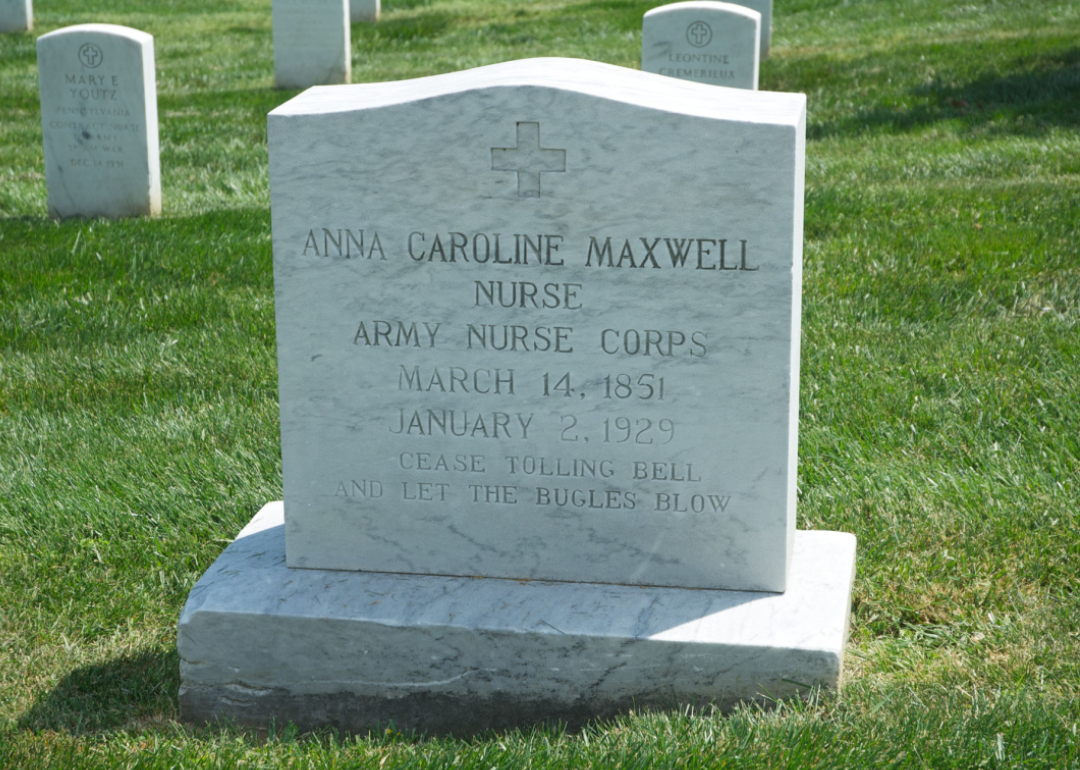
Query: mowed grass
[(940, 409)]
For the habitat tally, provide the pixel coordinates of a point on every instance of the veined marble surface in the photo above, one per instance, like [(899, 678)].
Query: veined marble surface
[(258, 640), (703, 41), (311, 43), (540, 320), (99, 121), (16, 15)]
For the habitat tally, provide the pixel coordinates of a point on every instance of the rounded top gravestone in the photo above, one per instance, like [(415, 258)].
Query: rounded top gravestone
[(703, 41), (99, 121)]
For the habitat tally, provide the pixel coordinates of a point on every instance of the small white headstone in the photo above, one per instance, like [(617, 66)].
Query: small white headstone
[(16, 15), (364, 10), (311, 43), (99, 121), (703, 41)]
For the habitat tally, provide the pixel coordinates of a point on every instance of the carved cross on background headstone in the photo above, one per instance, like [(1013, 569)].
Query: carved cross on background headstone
[(699, 34), (527, 159), (90, 55)]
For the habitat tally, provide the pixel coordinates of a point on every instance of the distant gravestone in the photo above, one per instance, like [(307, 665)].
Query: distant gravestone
[(764, 7), (99, 121), (703, 41), (364, 11), (543, 330), (16, 15), (311, 43)]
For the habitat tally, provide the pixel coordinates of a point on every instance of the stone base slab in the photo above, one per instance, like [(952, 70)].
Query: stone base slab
[(261, 642)]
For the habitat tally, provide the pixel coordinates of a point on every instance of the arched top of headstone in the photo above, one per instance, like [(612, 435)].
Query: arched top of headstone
[(590, 78), (706, 42), (99, 121), (707, 6), (114, 30)]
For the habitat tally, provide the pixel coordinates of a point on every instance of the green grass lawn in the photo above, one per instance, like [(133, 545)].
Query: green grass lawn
[(940, 413)]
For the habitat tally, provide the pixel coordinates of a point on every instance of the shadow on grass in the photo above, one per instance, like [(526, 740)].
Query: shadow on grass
[(230, 247), (1032, 92), (388, 6), (111, 695), (422, 26), (1048, 82), (631, 8), (259, 99), (623, 15)]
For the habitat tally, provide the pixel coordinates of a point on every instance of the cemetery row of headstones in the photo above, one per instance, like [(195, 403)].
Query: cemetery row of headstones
[(703, 41), (18, 15), (708, 42), (538, 365), (99, 98)]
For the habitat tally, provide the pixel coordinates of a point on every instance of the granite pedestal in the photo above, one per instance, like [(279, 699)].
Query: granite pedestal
[(354, 650)]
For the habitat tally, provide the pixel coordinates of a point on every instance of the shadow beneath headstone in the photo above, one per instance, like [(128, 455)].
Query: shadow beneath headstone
[(110, 695), (623, 15), (246, 30), (635, 7), (223, 248), (18, 73), (200, 103), (402, 5), (420, 26), (1041, 90)]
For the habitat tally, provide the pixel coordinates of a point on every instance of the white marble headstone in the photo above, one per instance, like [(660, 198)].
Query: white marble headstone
[(703, 41), (16, 15), (544, 325), (764, 7), (364, 11), (311, 43), (99, 121)]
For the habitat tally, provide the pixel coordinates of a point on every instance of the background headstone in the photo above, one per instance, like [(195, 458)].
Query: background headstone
[(703, 41), (99, 121), (764, 7), (364, 10), (546, 326), (16, 15), (311, 43)]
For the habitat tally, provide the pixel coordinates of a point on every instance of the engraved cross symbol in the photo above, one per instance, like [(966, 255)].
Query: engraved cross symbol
[(699, 34), (90, 55), (527, 159)]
